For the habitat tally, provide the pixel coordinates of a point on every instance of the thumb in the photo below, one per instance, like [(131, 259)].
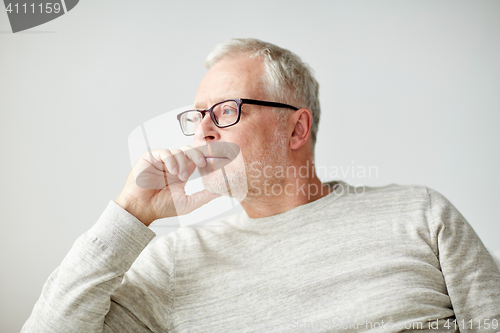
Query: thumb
[(198, 199)]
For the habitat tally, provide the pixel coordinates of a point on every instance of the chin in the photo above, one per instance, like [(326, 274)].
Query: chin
[(215, 183)]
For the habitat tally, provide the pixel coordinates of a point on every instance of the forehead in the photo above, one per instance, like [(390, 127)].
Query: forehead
[(235, 77)]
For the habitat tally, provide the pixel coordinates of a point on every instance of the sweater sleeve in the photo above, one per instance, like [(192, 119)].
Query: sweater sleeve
[(471, 275), (76, 297)]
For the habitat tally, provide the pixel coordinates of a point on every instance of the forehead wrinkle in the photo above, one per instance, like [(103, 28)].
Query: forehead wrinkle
[(231, 78), (200, 106)]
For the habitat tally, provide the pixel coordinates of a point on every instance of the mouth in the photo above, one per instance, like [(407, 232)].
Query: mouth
[(215, 163), (219, 150), (210, 159), (217, 155)]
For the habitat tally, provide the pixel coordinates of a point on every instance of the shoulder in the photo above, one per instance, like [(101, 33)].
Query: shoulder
[(389, 193), (390, 198)]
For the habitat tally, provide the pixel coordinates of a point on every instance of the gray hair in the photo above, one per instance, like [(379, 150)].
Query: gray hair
[(287, 79)]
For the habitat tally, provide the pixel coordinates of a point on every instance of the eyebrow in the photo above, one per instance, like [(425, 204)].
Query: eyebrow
[(220, 99)]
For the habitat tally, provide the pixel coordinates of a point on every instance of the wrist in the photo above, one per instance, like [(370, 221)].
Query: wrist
[(131, 209)]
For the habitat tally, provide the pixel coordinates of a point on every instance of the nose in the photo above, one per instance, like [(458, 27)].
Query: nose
[(207, 131)]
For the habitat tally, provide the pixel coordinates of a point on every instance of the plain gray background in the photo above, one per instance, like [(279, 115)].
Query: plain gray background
[(410, 87)]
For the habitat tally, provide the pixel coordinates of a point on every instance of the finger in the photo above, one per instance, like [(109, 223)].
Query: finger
[(147, 165), (148, 159), (195, 201), (166, 156), (195, 155), (168, 165), (156, 169), (182, 164)]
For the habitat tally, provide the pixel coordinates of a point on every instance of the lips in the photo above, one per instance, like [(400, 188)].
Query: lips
[(215, 163), (211, 159), (217, 155)]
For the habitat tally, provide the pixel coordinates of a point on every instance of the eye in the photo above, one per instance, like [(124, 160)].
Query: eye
[(227, 111), (197, 118), (193, 117)]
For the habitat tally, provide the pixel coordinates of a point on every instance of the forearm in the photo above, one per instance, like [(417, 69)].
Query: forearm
[(76, 297)]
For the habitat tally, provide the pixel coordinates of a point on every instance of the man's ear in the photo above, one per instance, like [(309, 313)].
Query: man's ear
[(302, 119)]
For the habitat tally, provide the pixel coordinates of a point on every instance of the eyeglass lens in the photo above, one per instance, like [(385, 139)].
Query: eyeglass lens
[(225, 114)]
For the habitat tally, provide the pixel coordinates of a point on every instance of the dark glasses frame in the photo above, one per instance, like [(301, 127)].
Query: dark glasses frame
[(239, 103)]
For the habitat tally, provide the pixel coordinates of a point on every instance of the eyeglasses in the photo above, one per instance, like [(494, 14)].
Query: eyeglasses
[(224, 114)]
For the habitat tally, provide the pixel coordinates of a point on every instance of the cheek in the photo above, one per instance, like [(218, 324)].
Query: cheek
[(253, 135)]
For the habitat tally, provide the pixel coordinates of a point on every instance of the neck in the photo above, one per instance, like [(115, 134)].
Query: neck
[(298, 186)]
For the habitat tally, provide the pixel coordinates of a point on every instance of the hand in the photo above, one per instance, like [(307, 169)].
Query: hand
[(155, 185)]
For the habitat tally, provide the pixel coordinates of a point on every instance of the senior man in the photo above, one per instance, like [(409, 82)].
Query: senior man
[(386, 259)]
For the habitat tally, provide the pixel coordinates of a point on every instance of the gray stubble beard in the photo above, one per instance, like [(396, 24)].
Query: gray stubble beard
[(238, 180)]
